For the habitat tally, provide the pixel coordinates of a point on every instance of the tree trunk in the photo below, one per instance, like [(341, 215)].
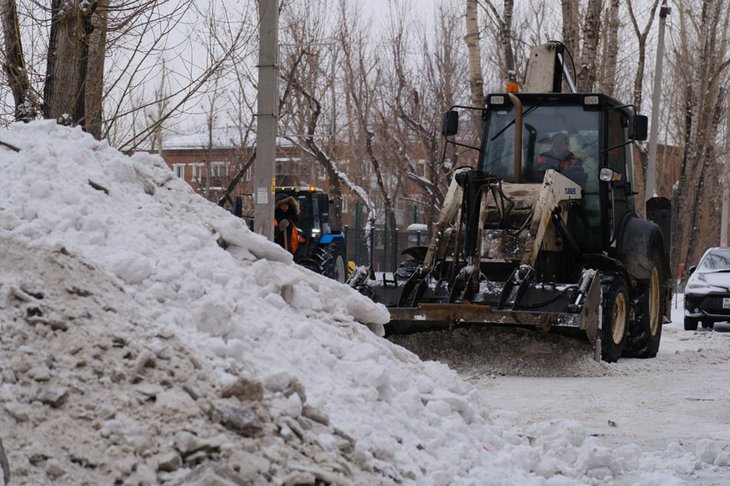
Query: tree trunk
[(95, 73), (505, 31), (587, 70), (15, 62), (75, 69), (476, 80), (608, 77), (570, 26)]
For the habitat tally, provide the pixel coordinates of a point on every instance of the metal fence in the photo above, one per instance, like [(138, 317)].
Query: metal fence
[(386, 245)]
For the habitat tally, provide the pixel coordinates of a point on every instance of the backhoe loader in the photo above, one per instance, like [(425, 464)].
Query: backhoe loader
[(533, 239)]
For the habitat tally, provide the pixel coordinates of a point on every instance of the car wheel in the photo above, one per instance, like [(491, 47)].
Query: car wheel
[(615, 318), (690, 324), (646, 332), (706, 324)]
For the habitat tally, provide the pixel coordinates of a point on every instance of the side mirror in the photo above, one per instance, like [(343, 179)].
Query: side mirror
[(692, 269), (609, 175), (638, 127), (450, 123)]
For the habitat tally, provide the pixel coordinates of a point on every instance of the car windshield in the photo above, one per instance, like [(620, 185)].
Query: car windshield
[(544, 127), (716, 260)]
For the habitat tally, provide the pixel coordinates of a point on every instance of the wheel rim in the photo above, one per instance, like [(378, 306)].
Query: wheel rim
[(654, 302), (618, 318)]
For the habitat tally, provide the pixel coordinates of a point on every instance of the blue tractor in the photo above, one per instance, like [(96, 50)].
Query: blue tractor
[(320, 249)]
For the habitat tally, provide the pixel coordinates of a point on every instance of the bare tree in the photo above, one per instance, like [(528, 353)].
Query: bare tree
[(73, 77), (91, 58), (310, 79), (501, 23), (363, 73), (700, 61), (15, 69), (571, 26), (235, 33), (476, 79), (607, 75), (641, 36), (423, 94)]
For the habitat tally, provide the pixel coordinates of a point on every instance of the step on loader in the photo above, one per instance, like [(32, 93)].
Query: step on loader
[(543, 233)]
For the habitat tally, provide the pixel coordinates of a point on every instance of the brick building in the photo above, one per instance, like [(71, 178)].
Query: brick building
[(209, 163)]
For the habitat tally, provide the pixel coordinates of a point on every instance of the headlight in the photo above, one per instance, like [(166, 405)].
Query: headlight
[(697, 286), (315, 232), (699, 282)]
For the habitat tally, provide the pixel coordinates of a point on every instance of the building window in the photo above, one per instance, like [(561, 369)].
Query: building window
[(344, 204), (179, 170), (247, 174), (219, 169), (196, 171)]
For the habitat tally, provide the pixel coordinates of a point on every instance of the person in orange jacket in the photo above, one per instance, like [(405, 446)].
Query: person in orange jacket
[(561, 159), (286, 217)]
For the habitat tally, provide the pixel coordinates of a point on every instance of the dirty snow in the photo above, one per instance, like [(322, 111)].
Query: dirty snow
[(149, 338)]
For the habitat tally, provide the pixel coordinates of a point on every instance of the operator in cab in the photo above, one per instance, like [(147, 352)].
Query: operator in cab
[(561, 159)]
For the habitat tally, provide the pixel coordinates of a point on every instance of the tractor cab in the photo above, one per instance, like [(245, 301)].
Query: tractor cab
[(585, 137), (314, 218), (320, 249)]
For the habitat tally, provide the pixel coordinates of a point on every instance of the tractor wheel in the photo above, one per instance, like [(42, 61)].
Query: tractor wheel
[(690, 324), (646, 332), (615, 318), (328, 261), (340, 273)]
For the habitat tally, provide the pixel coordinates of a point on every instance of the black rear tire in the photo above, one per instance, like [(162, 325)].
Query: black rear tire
[(706, 324), (329, 262), (690, 324), (615, 317), (645, 333)]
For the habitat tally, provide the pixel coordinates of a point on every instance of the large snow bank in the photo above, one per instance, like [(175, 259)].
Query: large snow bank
[(188, 271)]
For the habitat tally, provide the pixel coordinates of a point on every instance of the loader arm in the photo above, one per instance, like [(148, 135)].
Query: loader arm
[(557, 193), (452, 203)]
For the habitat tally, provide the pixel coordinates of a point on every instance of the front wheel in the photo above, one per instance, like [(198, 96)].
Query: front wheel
[(615, 318), (646, 332), (707, 324)]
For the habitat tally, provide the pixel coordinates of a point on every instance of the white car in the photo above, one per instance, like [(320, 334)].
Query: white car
[(707, 294)]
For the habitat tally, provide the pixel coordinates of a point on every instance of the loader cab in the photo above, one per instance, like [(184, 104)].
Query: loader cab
[(590, 132)]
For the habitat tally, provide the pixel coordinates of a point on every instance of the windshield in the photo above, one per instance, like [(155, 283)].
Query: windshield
[(716, 260), (564, 138)]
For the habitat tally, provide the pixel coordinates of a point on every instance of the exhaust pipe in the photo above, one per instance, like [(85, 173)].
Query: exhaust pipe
[(518, 136)]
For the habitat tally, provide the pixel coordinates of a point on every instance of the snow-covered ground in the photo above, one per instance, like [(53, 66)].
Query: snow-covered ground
[(149, 338)]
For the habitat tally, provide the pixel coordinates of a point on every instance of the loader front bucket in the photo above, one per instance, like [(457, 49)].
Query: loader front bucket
[(570, 310)]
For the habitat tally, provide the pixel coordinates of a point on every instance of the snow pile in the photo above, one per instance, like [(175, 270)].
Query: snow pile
[(150, 338)]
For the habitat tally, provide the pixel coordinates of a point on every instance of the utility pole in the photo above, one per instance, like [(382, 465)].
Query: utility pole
[(654, 129), (267, 118), (726, 188)]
